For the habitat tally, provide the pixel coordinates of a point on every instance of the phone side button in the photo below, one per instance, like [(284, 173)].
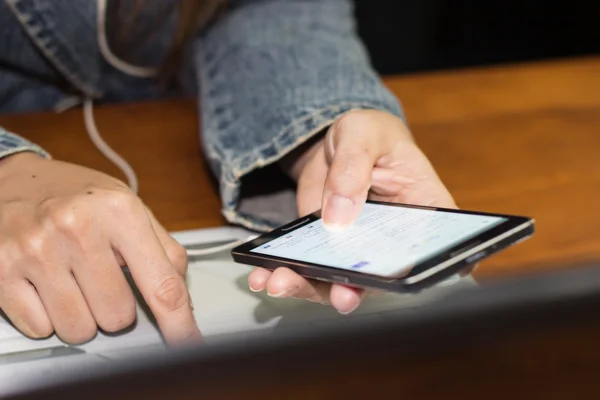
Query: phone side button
[(476, 256), (340, 278)]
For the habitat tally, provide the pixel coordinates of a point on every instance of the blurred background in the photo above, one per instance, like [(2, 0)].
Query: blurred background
[(442, 34)]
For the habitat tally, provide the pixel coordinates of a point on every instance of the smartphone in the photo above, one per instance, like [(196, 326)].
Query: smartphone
[(391, 247)]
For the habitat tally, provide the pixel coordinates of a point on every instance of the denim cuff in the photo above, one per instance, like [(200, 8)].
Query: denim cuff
[(265, 211), (12, 144)]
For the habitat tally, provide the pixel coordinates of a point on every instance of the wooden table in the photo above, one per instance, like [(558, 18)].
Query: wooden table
[(521, 139)]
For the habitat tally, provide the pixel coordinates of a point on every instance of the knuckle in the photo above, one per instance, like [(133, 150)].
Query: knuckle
[(122, 203), (32, 244), (119, 319), (349, 170), (346, 165), (338, 125), (66, 218), (354, 119), (171, 293), (80, 333), (178, 256), (72, 320)]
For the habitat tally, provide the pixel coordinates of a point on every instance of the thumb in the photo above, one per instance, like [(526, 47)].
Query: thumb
[(346, 189), (349, 177)]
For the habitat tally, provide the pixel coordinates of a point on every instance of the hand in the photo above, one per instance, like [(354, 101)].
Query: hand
[(65, 231), (365, 154)]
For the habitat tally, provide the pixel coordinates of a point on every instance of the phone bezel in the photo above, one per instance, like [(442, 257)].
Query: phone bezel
[(508, 230)]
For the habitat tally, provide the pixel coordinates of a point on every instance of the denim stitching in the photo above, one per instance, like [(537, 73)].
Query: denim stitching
[(292, 129), (45, 46), (230, 179)]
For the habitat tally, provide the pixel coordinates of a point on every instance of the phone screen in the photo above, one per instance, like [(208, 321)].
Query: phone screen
[(385, 240)]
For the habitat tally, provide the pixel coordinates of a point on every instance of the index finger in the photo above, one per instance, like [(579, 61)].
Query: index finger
[(159, 282)]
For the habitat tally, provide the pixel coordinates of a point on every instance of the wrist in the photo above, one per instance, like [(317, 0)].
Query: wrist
[(16, 160), (293, 163), (26, 155)]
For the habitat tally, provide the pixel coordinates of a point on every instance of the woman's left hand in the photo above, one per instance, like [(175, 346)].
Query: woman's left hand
[(365, 154)]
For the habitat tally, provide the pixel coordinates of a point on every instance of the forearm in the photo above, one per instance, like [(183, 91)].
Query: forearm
[(273, 74)]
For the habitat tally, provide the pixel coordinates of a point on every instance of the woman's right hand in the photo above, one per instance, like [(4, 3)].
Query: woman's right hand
[(65, 233)]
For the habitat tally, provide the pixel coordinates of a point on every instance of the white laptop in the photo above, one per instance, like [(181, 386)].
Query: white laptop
[(224, 309)]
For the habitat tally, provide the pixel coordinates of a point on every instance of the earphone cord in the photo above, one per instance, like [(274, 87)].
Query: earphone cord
[(94, 134)]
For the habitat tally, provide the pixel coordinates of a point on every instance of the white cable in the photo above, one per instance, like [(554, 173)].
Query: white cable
[(90, 125), (132, 180), (88, 114), (140, 72), (104, 148), (67, 103), (219, 249)]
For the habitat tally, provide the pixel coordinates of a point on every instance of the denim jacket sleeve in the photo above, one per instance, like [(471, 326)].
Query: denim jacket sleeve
[(271, 75), (12, 144)]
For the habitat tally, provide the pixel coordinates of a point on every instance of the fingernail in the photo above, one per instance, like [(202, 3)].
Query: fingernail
[(26, 329), (352, 308), (338, 213), (191, 303), (348, 311), (255, 290), (285, 293)]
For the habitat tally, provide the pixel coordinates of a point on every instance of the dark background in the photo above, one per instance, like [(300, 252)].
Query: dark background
[(420, 35)]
